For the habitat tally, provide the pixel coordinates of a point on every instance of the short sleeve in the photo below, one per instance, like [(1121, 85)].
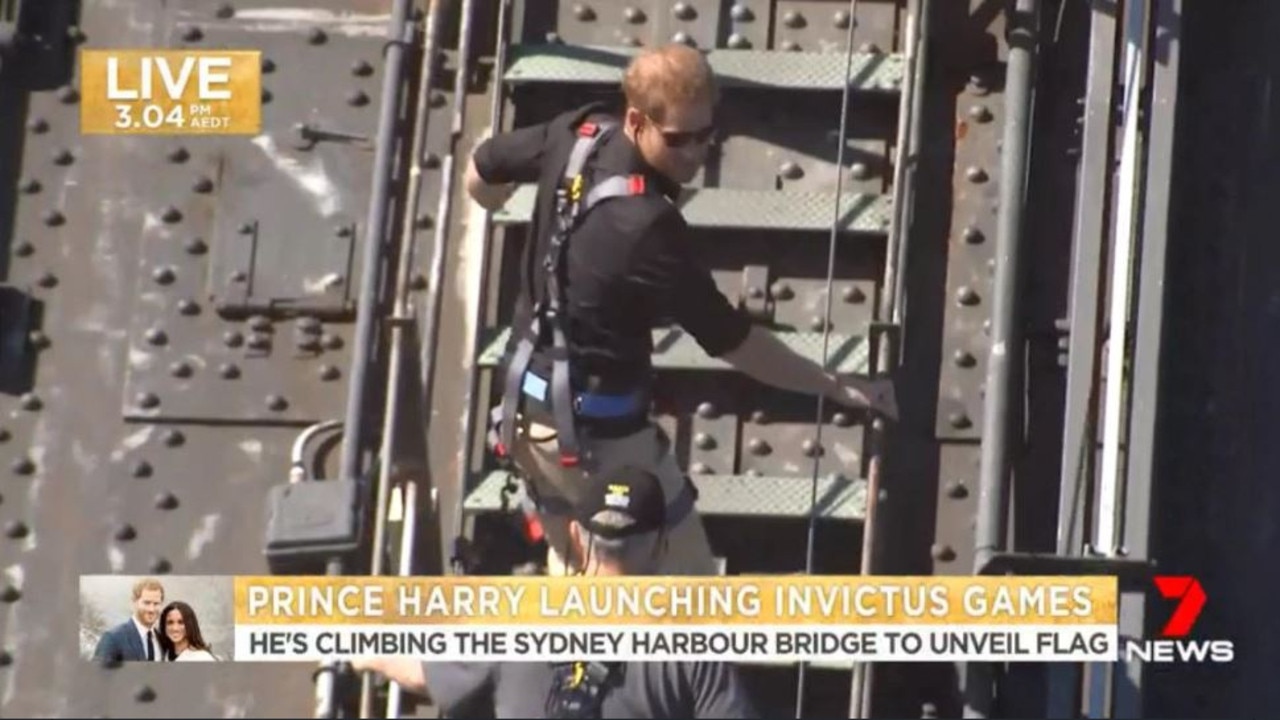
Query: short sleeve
[(683, 289), (718, 692), (512, 157), (451, 685)]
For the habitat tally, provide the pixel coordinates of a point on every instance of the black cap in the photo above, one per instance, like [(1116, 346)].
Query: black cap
[(629, 490)]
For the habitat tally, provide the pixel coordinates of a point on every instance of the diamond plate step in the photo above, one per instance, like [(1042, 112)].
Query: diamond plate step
[(718, 208), (838, 498), (600, 65), (675, 349)]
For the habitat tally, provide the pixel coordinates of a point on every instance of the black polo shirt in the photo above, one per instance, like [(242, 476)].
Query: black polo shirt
[(629, 267)]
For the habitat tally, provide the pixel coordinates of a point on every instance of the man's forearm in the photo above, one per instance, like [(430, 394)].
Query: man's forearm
[(764, 357), (490, 197)]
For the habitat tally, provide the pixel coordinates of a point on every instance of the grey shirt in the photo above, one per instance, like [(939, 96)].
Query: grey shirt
[(647, 690)]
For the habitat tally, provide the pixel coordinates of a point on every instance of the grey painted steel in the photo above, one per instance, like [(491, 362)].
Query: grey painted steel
[(838, 498), (1092, 194), (1006, 332), (797, 71), (675, 349), (1149, 342), (730, 209)]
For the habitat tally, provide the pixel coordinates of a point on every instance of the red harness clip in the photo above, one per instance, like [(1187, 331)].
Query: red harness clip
[(569, 461), (635, 184), (533, 528), (588, 129), (500, 450)]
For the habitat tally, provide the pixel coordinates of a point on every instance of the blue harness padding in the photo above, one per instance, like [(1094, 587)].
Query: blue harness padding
[(557, 393)]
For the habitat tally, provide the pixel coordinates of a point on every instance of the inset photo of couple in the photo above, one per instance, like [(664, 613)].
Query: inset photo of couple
[(133, 618)]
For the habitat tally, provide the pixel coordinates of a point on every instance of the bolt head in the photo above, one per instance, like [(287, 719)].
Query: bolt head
[(125, 533), (316, 36), (228, 371)]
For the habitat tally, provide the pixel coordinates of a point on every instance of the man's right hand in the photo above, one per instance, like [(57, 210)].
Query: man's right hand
[(876, 394)]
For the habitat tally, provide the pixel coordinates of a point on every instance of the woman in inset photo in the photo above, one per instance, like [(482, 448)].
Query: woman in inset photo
[(180, 637)]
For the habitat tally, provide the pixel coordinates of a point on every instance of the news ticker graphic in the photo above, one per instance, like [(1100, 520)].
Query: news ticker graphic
[(170, 92), (777, 618)]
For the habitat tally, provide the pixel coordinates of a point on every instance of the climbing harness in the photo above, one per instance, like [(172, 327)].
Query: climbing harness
[(578, 689)]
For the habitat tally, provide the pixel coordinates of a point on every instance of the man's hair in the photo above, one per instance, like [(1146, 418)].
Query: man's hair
[(146, 584), (632, 553), (673, 74)]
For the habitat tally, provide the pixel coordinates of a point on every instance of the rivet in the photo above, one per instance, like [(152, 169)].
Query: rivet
[(22, 466), (357, 98), (860, 171), (552, 38), (5, 435), (237, 276), (30, 186), (147, 400), (232, 338), (38, 339), (225, 11), (181, 369), (6, 658), (959, 420), (228, 371), (331, 341), (63, 156), (195, 246), (700, 468), (753, 472), (259, 323), (584, 13), (202, 185), (166, 500), (266, 95), (329, 373), (967, 296), (125, 533), (30, 402), (811, 448), (964, 359), (431, 161), (980, 113), (841, 19), (38, 125), (187, 306), (192, 33), (144, 694), (10, 594), (159, 566), (633, 15), (755, 292), (361, 68), (423, 222), (178, 155), (342, 231), (141, 469), (758, 446), (793, 19), (268, 65), (157, 336), (309, 324), (316, 36), (842, 419), (259, 341), (438, 99), (973, 235), (976, 174), (418, 281), (171, 214), (706, 410), (68, 95), (956, 490), (782, 291), (741, 13), (684, 11), (164, 275), (276, 403), (309, 343), (683, 38), (54, 218), (174, 438), (704, 441), (631, 41), (790, 170), (16, 529), (818, 324), (759, 417), (942, 552), (853, 294), (23, 248), (868, 48), (47, 280), (738, 42)]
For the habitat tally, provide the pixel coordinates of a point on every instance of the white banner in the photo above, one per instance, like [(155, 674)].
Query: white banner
[(743, 643)]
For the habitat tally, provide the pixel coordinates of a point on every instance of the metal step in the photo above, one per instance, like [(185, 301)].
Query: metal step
[(742, 69), (675, 349), (719, 208), (839, 498)]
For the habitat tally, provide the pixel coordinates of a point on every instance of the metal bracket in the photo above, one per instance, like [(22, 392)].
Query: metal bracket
[(755, 292), (1133, 574), (17, 319), (307, 135)]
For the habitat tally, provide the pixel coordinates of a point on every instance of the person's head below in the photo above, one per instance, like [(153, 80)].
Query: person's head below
[(180, 630), (671, 95), (619, 524), (148, 596)]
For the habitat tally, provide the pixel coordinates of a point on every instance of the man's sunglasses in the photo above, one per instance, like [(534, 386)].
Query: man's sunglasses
[(681, 138)]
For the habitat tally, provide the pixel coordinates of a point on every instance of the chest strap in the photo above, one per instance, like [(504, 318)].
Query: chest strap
[(549, 312)]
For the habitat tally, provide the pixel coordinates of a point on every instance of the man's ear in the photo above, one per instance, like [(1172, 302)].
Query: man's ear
[(633, 119)]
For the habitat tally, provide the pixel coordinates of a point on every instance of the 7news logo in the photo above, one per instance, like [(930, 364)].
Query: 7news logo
[(1173, 645)]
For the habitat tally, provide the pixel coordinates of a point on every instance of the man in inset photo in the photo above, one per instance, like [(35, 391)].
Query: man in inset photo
[(135, 639)]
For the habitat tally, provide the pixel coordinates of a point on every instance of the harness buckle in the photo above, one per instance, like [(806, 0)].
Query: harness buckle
[(569, 460)]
